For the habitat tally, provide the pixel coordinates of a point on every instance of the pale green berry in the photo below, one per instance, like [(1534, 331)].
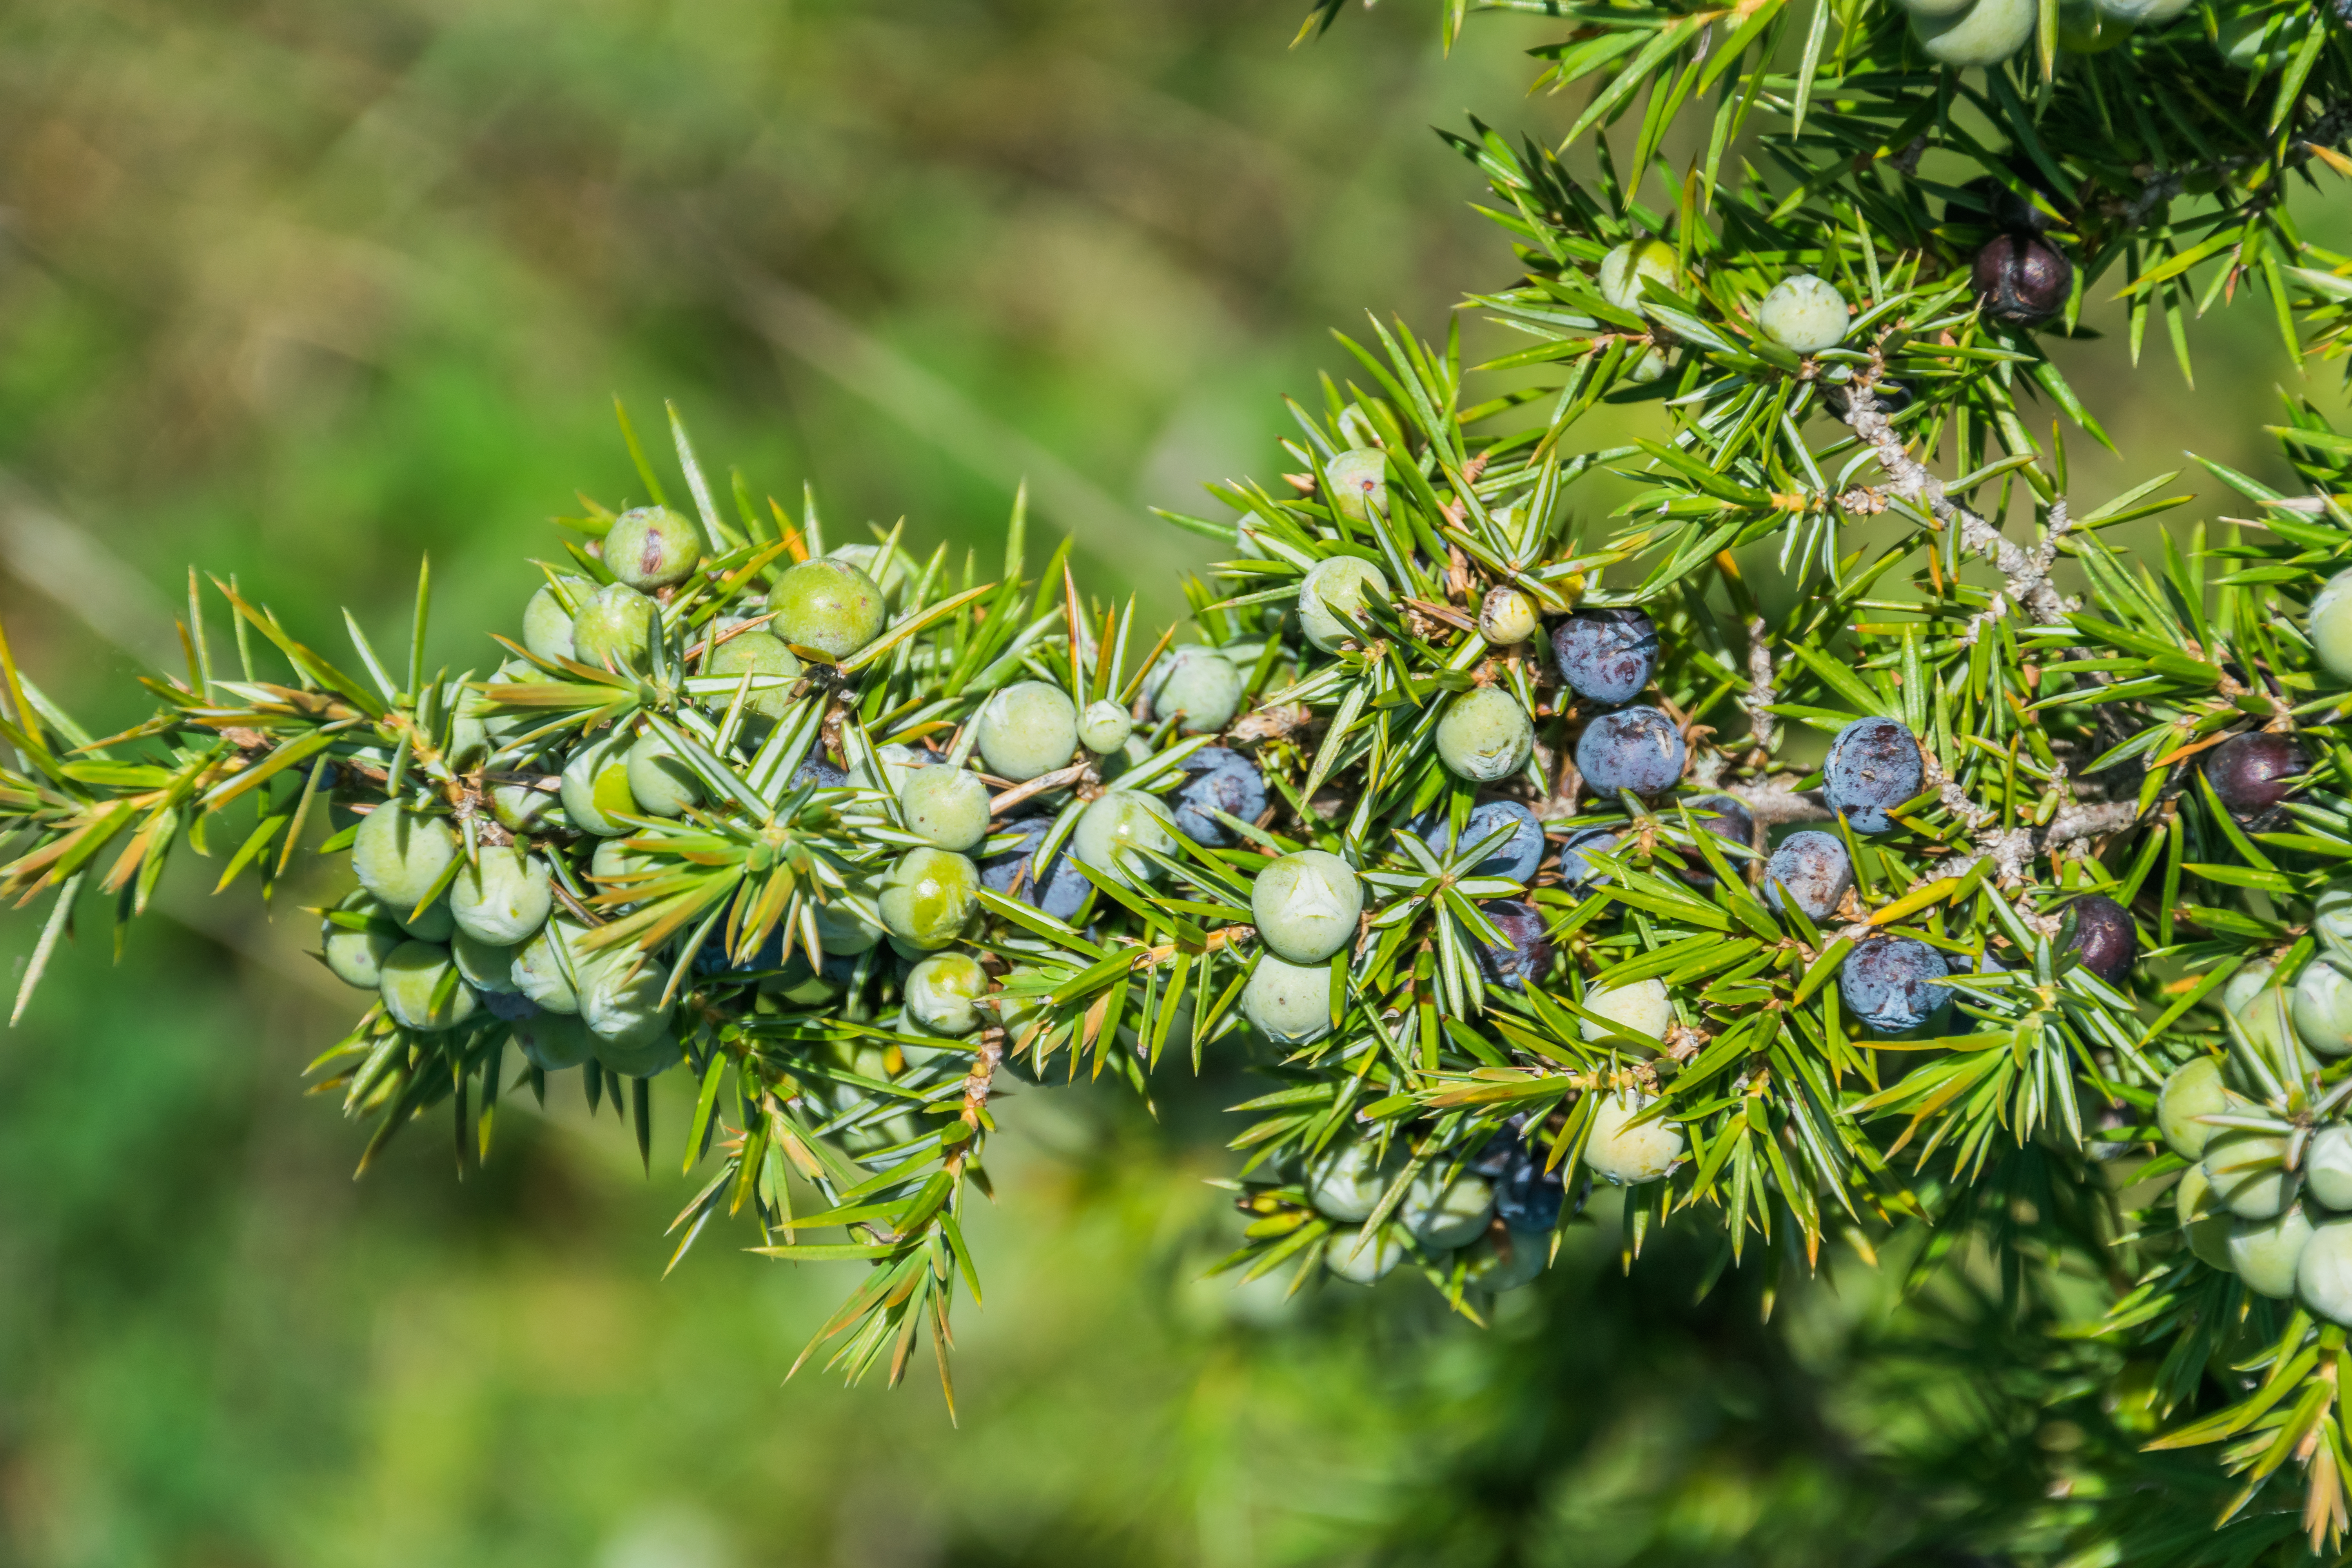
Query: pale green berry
[(2203, 1219), (2244, 986), (1288, 1004), (433, 923), (1028, 728), (940, 992), (1648, 368), (546, 975), (1485, 735), (487, 966), (504, 730), (553, 1042), (616, 868), (2247, 1168), (2322, 1008), (2329, 626), (2145, 12), (469, 734), (596, 795), (2267, 1020), (1625, 1150), (1349, 1180), (651, 547), (1305, 905), (1804, 314), (2266, 1253), (613, 629), (1625, 270), (1357, 481), (758, 654), (521, 808), (2327, 1166), (1342, 584), (1444, 1214), (945, 806), (356, 957), (828, 607), (2086, 30), (1197, 685), (503, 896), (2194, 1090), (547, 625), (1363, 1261), (400, 856), (2323, 1275), (1115, 826), (412, 972), (659, 780), (1104, 727), (889, 573), (2331, 922), (1496, 1264), (622, 1006), (1506, 616), (1641, 1007), (840, 931), (1984, 34), (928, 897)]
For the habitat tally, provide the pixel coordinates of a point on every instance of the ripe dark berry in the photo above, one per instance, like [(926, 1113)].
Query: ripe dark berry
[(1526, 955), (2104, 936), (2249, 772), (1578, 873), (1514, 859), (1889, 983), (2021, 279), (815, 773), (1494, 1157), (1873, 766), (1724, 817), (1530, 1198), (1219, 778), (1811, 870), (1607, 656), (1635, 749), (1058, 890)]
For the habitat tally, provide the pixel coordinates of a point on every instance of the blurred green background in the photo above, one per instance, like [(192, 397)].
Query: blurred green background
[(299, 291)]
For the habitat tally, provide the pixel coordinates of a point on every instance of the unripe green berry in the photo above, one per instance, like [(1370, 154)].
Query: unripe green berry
[(2194, 1090), (889, 573), (553, 1042), (1104, 727), (547, 625), (596, 795), (1028, 728), (1806, 314), (2145, 12), (1506, 616), (2323, 1275), (356, 957), (841, 933), (2204, 1222), (755, 653), (651, 547), (1342, 584), (1288, 1004), (1349, 1180), (487, 966), (2086, 30), (2247, 1168), (546, 976), (1984, 34), (503, 896), (945, 806), (940, 992), (1453, 1214), (1641, 1007), (1305, 905), (1485, 735), (616, 868), (1363, 1261), (2248, 981), (2266, 1253), (928, 897), (2329, 626), (1113, 826), (1625, 1150), (1197, 685), (469, 734), (521, 808), (412, 972), (1357, 481), (2327, 1166), (1496, 1264), (1625, 270), (622, 1006), (1648, 368), (659, 780), (2321, 1008), (433, 923), (2331, 922), (613, 629), (399, 856), (828, 607)]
